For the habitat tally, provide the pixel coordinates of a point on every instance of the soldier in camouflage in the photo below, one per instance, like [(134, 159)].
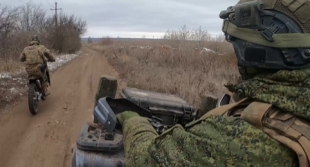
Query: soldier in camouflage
[(269, 125), (34, 56)]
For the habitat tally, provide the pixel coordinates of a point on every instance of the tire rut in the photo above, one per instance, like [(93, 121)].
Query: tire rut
[(46, 138)]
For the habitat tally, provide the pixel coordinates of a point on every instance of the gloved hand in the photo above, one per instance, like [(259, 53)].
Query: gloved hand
[(122, 117), (231, 87)]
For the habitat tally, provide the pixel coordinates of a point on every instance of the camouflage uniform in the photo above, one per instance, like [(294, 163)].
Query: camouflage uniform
[(222, 141), (228, 141), (34, 56)]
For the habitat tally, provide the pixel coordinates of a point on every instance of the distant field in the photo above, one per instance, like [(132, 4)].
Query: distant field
[(158, 65), (121, 39)]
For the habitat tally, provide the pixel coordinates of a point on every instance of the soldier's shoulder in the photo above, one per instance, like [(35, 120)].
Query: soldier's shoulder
[(30, 47), (41, 46)]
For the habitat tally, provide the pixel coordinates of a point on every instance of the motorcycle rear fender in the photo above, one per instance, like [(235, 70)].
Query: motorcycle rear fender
[(35, 79)]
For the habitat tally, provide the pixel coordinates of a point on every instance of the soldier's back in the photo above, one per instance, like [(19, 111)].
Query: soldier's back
[(32, 55)]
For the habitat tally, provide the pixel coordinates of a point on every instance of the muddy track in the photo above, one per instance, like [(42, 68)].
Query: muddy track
[(45, 140)]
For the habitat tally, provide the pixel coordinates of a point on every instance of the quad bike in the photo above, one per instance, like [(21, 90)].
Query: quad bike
[(36, 91), (101, 144)]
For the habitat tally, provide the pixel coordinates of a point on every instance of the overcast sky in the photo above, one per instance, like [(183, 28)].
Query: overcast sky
[(135, 18)]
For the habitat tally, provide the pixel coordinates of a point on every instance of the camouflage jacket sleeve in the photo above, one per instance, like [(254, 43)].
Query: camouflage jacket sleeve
[(47, 53), (215, 141), (22, 57)]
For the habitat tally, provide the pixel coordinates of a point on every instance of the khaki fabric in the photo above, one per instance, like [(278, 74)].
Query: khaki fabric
[(298, 10), (284, 127), (34, 56)]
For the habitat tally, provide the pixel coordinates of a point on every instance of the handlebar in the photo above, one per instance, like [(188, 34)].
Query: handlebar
[(107, 108)]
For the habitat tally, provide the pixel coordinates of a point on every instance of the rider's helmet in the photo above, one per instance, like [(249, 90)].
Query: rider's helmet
[(268, 35), (35, 40)]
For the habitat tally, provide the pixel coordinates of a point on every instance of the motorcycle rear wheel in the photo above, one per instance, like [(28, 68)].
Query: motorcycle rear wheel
[(33, 99)]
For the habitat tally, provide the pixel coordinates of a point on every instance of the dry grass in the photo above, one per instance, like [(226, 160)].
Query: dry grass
[(13, 65), (185, 72), (10, 66)]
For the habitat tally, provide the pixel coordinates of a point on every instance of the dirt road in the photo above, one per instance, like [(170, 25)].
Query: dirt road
[(45, 140)]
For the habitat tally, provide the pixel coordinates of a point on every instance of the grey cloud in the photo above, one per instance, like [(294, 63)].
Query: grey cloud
[(143, 15)]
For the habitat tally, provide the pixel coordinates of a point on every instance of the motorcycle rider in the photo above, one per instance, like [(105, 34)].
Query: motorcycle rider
[(269, 126), (35, 56)]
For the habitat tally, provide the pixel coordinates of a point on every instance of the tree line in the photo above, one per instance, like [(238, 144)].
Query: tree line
[(185, 38), (19, 24)]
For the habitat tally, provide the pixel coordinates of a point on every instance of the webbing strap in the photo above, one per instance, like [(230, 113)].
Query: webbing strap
[(294, 133), (255, 112), (220, 111), (288, 40), (302, 157)]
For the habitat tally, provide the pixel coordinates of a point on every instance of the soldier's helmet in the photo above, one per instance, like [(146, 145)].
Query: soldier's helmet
[(35, 40), (269, 34)]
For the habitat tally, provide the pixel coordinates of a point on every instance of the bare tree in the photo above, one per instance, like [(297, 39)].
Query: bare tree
[(201, 35), (65, 37), (18, 24), (32, 18), (8, 26), (218, 42), (89, 40)]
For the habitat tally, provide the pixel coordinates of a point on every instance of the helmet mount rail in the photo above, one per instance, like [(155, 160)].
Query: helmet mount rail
[(264, 38)]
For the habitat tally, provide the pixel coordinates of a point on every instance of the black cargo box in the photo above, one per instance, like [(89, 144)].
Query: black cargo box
[(172, 109)]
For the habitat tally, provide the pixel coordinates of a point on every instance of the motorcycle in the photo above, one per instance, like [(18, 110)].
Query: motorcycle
[(36, 89)]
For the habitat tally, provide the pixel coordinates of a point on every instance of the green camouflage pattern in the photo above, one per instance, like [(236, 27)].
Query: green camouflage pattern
[(34, 70), (34, 56), (285, 89), (220, 141), (40, 52), (214, 142)]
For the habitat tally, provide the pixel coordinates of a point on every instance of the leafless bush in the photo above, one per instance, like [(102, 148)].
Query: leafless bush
[(89, 40), (8, 27), (199, 38), (64, 37), (106, 41)]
